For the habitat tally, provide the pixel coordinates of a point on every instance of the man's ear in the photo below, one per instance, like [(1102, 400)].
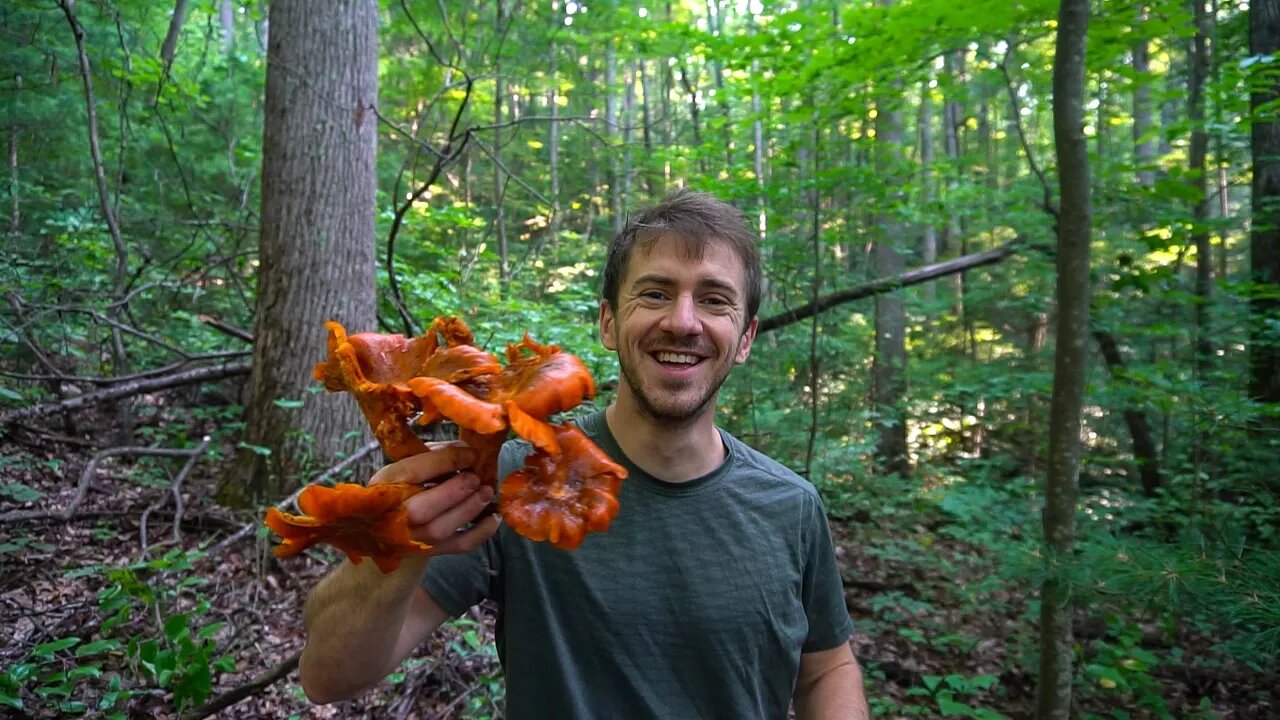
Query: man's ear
[(744, 344), (607, 326)]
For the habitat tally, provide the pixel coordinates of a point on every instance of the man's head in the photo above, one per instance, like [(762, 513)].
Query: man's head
[(697, 220), (682, 288)]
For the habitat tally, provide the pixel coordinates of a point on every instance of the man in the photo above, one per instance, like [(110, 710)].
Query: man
[(715, 591)]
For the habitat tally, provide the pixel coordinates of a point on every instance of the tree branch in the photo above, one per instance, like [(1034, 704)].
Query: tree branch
[(884, 285)]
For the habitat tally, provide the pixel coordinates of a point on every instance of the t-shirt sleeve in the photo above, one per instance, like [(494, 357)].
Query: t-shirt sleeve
[(457, 582), (822, 591)]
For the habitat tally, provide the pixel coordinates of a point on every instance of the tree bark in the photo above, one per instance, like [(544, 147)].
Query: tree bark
[(1264, 238), (499, 178), (170, 45), (1144, 145), (1198, 73), (930, 250), (1144, 448), (888, 367), (317, 235), (1053, 697)]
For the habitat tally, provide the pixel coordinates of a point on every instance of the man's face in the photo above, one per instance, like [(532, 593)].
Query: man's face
[(679, 328)]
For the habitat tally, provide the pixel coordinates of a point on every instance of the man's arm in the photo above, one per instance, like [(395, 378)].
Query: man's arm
[(360, 623), (830, 686)]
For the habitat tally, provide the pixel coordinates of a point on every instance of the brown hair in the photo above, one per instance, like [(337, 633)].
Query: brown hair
[(696, 219)]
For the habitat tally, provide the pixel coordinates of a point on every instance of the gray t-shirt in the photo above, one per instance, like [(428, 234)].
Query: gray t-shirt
[(696, 603)]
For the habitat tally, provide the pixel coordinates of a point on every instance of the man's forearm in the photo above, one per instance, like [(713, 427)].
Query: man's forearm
[(353, 619), (837, 694)]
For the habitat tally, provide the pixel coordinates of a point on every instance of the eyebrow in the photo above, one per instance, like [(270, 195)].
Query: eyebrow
[(665, 281)]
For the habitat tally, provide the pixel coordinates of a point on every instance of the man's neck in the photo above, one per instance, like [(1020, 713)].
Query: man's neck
[(674, 453)]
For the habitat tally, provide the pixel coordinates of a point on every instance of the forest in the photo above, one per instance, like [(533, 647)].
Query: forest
[(1020, 329)]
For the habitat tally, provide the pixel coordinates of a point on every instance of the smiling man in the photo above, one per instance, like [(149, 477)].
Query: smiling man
[(714, 594)]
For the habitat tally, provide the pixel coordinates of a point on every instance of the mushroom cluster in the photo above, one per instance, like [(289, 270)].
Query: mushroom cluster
[(567, 488)]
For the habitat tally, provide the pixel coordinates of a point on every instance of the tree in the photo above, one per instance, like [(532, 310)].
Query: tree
[(1264, 349), (1053, 701), (317, 229)]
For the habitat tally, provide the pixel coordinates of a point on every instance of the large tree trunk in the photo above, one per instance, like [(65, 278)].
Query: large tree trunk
[(317, 248), (889, 366), (1264, 349), (1053, 701)]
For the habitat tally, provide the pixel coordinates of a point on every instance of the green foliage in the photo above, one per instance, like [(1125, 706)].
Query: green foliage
[(179, 654)]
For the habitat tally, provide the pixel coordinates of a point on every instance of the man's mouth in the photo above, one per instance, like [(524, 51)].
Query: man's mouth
[(676, 359)]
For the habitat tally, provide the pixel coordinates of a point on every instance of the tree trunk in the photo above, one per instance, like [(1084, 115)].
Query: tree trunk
[(929, 253), (1264, 238), (1144, 145), (499, 177), (1198, 73), (1053, 698), (1144, 448), (888, 368), (611, 132), (317, 245), (170, 45)]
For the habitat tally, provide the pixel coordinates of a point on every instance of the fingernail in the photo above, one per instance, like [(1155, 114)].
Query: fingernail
[(470, 481), (485, 493)]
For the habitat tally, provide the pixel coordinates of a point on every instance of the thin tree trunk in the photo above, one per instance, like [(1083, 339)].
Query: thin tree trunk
[(1199, 72), (929, 252), (1053, 697), (1144, 448), (499, 177), (227, 19), (553, 132), (170, 44), (15, 206), (1264, 236), (611, 132), (888, 367), (1144, 145)]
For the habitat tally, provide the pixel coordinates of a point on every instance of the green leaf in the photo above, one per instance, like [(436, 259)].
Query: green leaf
[(287, 404), (951, 708), (8, 394), (175, 626), (98, 646), (21, 492), (47, 650), (258, 449)]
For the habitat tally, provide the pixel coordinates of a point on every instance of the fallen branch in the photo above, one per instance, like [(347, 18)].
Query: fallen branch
[(86, 479), (884, 285), (175, 488), (186, 377), (249, 689)]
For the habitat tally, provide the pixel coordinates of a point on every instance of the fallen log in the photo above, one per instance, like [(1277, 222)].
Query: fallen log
[(137, 387)]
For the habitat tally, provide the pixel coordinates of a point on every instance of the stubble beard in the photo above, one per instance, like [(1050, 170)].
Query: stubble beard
[(672, 413)]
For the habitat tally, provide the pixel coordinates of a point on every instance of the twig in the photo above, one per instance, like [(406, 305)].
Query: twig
[(187, 377), (95, 151), (175, 488), (227, 328), (86, 479), (253, 687), (1046, 202)]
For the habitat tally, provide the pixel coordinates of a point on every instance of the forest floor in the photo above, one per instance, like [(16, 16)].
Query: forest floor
[(152, 609)]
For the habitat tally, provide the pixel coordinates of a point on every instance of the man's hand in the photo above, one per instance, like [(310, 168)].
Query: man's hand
[(438, 515), (362, 623)]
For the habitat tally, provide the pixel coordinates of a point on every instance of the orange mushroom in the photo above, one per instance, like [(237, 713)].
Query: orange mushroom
[(358, 520), (562, 498), (567, 488)]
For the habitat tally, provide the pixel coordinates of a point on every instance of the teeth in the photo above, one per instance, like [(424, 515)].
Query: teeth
[(670, 357)]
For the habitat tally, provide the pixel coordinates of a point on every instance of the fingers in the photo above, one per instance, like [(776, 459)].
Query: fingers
[(436, 514), (427, 467), (470, 539)]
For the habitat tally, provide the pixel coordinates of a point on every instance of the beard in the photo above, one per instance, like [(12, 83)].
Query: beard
[(671, 407)]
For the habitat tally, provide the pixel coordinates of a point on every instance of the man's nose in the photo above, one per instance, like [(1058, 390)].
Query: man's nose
[(682, 317)]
